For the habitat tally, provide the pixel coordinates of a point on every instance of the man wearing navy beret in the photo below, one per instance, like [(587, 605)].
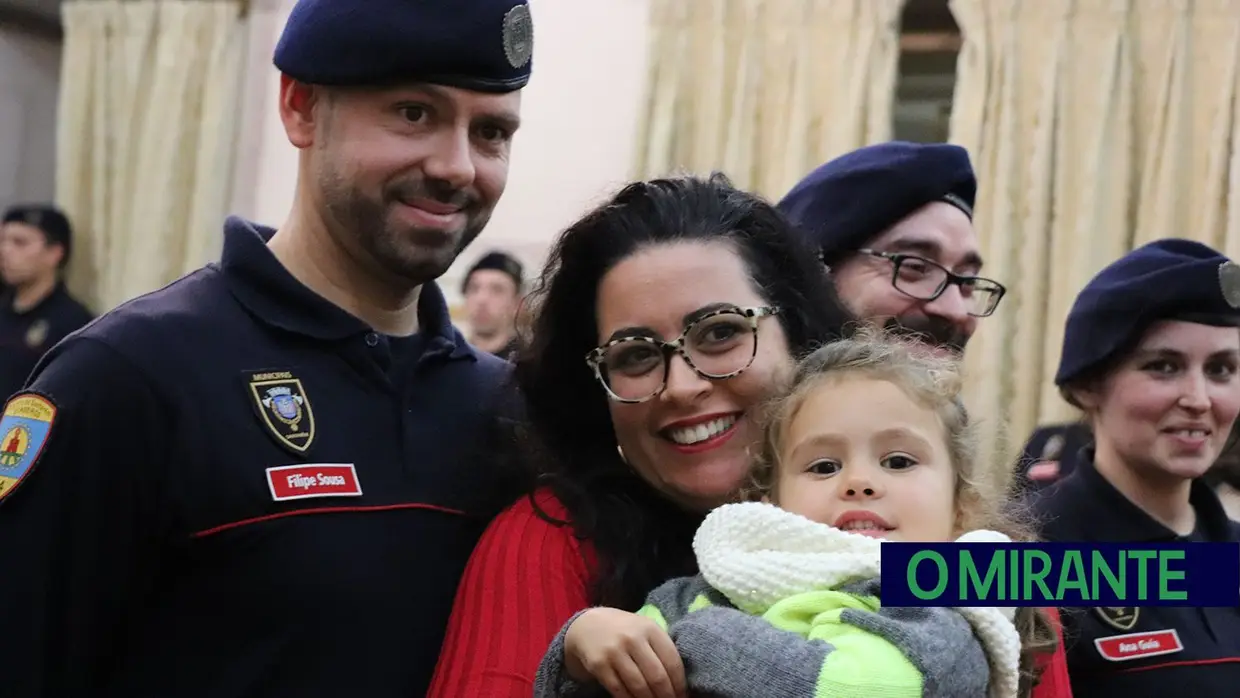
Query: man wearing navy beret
[(894, 223), (265, 479)]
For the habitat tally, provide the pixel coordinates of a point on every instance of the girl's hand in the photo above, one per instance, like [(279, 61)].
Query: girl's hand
[(628, 654)]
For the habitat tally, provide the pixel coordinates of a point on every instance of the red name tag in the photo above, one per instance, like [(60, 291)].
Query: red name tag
[(1122, 648), (313, 480)]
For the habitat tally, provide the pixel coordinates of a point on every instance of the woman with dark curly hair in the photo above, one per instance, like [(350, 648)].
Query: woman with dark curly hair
[(662, 320)]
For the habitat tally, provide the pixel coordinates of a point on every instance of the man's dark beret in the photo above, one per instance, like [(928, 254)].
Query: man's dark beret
[(847, 202), (480, 45), (1164, 279), (47, 218), (498, 261)]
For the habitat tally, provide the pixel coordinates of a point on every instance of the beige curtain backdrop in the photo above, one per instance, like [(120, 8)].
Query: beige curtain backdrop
[(147, 108), (1096, 126), (766, 90)]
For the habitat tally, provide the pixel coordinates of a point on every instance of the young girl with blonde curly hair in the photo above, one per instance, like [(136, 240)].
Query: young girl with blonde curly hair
[(870, 442)]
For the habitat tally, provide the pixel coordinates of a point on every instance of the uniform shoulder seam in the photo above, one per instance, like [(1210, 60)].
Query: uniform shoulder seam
[(133, 365)]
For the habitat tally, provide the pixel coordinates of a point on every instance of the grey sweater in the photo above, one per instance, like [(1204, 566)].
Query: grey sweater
[(840, 646)]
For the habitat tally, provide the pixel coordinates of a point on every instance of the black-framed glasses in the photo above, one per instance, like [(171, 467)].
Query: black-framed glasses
[(920, 278), (720, 344)]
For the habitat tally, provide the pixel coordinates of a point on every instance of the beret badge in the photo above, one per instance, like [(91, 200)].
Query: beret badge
[(1229, 282), (518, 36)]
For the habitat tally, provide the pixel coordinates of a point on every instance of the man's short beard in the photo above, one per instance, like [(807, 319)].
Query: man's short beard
[(931, 330), (367, 221)]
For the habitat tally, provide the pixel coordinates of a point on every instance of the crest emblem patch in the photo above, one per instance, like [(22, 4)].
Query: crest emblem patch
[(518, 36), (24, 428), (37, 334), (1229, 283), (284, 408), (1053, 447), (1120, 618)]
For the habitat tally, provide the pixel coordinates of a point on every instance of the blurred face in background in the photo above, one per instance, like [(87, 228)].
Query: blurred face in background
[(491, 302), (26, 257)]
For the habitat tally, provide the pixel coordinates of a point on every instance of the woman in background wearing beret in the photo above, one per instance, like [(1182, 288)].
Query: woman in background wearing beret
[(1151, 353)]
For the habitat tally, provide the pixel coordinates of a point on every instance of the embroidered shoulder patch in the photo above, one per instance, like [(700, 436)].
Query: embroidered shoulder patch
[(283, 406), (1120, 618), (24, 428)]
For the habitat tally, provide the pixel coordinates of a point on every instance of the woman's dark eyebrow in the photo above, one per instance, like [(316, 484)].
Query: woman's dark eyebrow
[(688, 319), (1168, 353), (1158, 353), (626, 332), (705, 310)]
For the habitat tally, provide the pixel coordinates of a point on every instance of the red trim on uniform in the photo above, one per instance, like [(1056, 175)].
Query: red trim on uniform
[(1191, 662), (325, 510)]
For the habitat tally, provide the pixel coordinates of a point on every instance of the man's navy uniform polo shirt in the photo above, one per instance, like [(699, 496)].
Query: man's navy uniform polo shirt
[(1138, 652), (230, 487), (26, 335)]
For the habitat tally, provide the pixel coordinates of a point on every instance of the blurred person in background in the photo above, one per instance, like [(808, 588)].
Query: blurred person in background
[(36, 310), (493, 290)]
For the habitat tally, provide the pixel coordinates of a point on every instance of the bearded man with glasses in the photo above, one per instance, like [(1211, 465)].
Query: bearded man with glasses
[(894, 223)]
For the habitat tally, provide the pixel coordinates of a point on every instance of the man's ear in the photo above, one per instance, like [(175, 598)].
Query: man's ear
[(58, 252), (297, 110)]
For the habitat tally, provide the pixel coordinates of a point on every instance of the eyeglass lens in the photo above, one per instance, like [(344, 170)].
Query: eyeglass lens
[(925, 280), (716, 347)]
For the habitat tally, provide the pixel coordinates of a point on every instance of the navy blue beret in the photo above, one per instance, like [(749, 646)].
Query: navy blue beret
[(847, 202), (480, 45), (1160, 280), (45, 217)]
